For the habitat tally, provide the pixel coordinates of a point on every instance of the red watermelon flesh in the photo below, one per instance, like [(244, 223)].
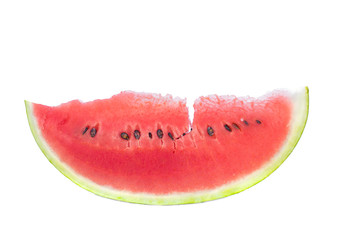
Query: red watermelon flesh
[(143, 148)]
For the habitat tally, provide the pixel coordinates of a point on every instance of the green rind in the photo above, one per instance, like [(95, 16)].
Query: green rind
[(300, 114)]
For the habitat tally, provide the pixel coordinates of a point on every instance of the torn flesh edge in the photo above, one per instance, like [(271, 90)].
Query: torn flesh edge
[(191, 108)]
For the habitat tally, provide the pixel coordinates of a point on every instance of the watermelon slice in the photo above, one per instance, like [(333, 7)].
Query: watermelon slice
[(143, 148)]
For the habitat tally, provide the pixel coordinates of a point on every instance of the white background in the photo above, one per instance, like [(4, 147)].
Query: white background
[(55, 51)]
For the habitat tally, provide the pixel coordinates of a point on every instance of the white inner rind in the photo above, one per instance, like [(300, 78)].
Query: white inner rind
[(300, 110)]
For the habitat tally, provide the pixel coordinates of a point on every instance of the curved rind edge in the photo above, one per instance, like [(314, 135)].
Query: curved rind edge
[(298, 122)]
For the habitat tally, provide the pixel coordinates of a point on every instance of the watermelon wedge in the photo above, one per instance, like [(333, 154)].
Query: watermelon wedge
[(142, 148)]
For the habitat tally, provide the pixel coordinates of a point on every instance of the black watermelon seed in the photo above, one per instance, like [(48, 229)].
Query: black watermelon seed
[(171, 136), (236, 126), (246, 123), (93, 132), (258, 121), (137, 134), (124, 136), (150, 135), (85, 130), (227, 127), (210, 131), (159, 133)]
